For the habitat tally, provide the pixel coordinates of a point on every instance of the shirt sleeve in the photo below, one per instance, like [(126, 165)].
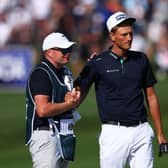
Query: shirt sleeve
[(149, 77), (86, 77), (40, 83)]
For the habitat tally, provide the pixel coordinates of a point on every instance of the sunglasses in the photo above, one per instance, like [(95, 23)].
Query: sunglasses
[(64, 51)]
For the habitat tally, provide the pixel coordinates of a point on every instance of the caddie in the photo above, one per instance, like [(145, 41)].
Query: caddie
[(49, 117)]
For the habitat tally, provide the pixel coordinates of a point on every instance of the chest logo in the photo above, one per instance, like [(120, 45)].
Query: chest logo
[(112, 70)]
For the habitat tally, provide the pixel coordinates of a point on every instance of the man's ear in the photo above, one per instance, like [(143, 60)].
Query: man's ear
[(112, 36), (49, 53)]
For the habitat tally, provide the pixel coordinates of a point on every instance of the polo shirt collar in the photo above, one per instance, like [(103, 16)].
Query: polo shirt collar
[(52, 66), (115, 56)]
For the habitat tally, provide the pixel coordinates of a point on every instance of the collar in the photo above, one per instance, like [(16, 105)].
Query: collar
[(115, 56), (56, 70)]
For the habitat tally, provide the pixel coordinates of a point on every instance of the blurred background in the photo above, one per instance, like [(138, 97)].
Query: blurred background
[(24, 24)]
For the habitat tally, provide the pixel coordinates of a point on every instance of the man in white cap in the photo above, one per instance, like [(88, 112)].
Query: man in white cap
[(121, 78), (49, 117)]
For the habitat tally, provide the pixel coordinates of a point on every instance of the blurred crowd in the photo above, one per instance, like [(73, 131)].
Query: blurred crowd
[(26, 22)]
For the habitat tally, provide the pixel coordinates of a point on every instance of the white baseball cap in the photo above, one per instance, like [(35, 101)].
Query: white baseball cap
[(116, 19), (58, 40)]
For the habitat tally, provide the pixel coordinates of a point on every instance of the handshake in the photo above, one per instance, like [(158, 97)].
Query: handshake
[(73, 97)]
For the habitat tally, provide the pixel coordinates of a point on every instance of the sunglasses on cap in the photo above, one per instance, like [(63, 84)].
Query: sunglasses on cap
[(64, 51)]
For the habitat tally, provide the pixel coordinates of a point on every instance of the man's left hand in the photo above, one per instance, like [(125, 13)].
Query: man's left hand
[(163, 148)]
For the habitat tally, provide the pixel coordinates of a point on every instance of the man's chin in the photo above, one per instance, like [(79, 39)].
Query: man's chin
[(127, 48), (65, 62)]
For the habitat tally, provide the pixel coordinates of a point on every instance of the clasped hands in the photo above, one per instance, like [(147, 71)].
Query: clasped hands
[(73, 97)]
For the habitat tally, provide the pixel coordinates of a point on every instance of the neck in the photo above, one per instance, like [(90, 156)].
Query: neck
[(118, 51), (56, 65)]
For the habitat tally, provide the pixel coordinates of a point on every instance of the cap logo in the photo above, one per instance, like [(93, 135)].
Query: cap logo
[(121, 16)]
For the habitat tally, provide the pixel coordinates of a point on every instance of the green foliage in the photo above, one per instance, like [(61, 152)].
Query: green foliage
[(14, 153)]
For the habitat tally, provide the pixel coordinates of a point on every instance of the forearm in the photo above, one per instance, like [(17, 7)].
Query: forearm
[(155, 113), (156, 117), (154, 109), (83, 93), (45, 108), (52, 109)]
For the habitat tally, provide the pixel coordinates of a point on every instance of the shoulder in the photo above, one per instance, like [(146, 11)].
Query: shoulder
[(137, 55), (39, 72), (99, 58), (39, 67), (139, 58)]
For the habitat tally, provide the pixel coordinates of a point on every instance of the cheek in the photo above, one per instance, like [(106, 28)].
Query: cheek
[(119, 39), (67, 58)]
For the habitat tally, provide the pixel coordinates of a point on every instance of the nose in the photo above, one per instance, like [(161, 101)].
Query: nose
[(66, 54), (129, 36)]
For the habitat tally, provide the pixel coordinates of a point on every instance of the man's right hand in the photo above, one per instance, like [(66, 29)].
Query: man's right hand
[(73, 97), (92, 56)]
